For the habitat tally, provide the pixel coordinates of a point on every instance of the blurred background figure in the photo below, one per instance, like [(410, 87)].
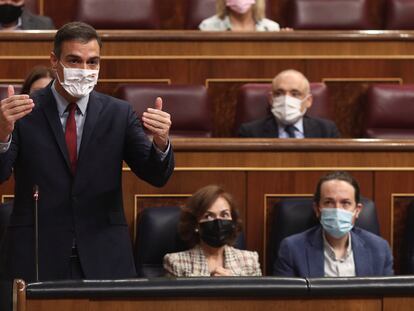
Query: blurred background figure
[(210, 224), (38, 78), (13, 16), (239, 15), (289, 100)]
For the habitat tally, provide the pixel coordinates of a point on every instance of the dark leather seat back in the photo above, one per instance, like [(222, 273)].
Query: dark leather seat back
[(188, 105), (32, 6), (329, 14), (120, 14), (198, 10), (399, 14), (291, 216), (389, 111), (157, 235), (253, 102), (3, 90)]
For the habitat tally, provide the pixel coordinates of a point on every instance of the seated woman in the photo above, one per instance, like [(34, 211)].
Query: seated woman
[(38, 78), (239, 15), (209, 224)]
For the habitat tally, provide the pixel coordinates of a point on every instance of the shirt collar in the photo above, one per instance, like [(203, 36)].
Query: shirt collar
[(298, 126), (19, 23), (331, 253), (62, 103)]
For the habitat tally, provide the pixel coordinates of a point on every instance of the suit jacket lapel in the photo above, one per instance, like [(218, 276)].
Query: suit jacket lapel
[(231, 262), (199, 262), (362, 257), (308, 128), (93, 110), (49, 106), (314, 254), (270, 128)]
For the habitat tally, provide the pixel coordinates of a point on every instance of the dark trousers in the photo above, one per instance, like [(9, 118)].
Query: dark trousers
[(6, 295), (6, 286)]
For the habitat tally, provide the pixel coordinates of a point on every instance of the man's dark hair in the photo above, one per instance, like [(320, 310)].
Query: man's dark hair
[(74, 31), (337, 175)]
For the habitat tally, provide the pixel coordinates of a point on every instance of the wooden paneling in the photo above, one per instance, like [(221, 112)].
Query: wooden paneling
[(398, 303), (347, 61), (208, 304)]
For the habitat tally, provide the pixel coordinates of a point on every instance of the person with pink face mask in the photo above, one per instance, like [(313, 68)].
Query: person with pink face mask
[(239, 15), (289, 100)]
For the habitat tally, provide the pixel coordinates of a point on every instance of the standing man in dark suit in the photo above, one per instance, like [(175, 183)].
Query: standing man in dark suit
[(13, 16), (289, 100), (71, 141), (335, 248)]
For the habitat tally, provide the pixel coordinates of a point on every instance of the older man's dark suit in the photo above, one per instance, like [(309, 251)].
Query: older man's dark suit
[(268, 128), (89, 205)]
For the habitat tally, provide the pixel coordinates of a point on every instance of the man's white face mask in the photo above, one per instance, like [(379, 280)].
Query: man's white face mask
[(287, 109), (78, 82)]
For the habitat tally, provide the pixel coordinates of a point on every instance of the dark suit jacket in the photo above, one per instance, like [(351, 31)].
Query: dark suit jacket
[(268, 128), (36, 22), (301, 255), (89, 205)]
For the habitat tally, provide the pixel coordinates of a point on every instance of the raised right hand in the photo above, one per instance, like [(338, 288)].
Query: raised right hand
[(220, 271), (13, 108)]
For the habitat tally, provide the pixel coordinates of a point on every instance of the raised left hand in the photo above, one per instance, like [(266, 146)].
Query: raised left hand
[(158, 122)]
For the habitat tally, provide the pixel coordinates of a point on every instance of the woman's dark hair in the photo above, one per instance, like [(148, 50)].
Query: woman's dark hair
[(197, 205), (37, 73), (337, 175)]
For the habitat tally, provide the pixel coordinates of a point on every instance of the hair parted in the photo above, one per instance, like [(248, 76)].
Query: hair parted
[(195, 208), (337, 175)]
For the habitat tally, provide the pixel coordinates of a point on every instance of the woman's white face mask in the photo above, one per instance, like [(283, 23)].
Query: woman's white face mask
[(287, 109), (78, 82)]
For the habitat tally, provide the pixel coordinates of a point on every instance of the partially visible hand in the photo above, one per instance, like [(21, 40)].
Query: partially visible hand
[(220, 271), (13, 108), (158, 122), (286, 29)]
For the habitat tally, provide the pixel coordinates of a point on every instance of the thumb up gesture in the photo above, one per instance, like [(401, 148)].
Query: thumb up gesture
[(158, 122), (12, 108)]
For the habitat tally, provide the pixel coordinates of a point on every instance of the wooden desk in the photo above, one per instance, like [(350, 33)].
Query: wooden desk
[(241, 294), (347, 61)]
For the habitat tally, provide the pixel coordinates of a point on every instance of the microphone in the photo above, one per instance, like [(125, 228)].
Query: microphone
[(36, 229)]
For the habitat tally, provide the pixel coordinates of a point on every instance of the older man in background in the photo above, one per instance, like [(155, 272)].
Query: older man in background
[(289, 100)]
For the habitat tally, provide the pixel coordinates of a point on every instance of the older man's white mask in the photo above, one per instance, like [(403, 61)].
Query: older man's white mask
[(287, 109)]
